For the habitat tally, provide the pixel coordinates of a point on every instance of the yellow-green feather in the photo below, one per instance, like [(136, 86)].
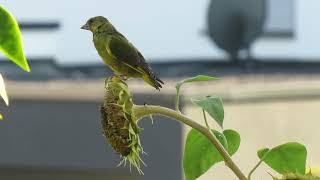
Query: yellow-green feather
[(119, 54)]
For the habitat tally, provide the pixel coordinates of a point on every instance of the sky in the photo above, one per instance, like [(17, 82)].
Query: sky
[(161, 30)]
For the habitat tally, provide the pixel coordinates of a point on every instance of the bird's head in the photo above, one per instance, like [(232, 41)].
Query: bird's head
[(94, 23)]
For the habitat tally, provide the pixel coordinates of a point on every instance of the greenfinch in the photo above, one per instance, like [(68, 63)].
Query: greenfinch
[(118, 53)]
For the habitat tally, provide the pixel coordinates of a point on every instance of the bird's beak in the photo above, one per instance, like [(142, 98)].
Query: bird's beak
[(86, 27)]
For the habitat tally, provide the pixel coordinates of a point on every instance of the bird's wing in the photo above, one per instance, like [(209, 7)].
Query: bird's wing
[(125, 52)]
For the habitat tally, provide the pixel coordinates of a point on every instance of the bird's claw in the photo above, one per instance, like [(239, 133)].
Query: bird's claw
[(124, 77)]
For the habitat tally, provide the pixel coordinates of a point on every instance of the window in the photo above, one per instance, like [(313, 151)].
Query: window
[(280, 18)]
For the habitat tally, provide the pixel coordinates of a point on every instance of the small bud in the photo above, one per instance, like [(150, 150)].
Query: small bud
[(119, 124)]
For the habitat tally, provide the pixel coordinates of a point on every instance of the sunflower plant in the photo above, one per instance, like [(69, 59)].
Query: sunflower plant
[(204, 146)]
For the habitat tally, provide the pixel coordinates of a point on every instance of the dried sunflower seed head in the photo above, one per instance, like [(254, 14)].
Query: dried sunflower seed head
[(119, 124)]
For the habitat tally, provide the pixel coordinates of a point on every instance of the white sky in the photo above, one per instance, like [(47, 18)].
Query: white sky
[(161, 30)]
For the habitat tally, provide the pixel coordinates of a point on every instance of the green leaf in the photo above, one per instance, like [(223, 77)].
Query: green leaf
[(213, 105), (1, 117), (233, 140), (11, 40), (3, 92), (189, 80), (195, 79), (286, 158), (200, 154)]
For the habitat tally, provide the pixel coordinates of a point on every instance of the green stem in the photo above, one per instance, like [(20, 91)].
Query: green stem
[(205, 119), (141, 111), (257, 165), (208, 127), (177, 101)]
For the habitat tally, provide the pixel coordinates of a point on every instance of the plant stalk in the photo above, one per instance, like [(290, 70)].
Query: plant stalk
[(205, 119), (141, 111), (177, 104), (257, 165)]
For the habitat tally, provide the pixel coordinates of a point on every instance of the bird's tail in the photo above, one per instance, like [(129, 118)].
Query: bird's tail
[(153, 80)]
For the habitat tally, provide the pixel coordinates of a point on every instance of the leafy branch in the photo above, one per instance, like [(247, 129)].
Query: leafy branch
[(141, 111), (204, 146)]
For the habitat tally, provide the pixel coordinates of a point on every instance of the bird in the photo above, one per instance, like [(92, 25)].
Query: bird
[(122, 57)]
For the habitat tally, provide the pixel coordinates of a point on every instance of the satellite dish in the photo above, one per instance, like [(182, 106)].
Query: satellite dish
[(235, 24)]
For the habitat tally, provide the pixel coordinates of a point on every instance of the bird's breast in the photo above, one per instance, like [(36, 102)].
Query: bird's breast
[(106, 56)]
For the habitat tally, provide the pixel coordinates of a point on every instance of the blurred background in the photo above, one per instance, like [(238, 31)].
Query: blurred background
[(265, 52)]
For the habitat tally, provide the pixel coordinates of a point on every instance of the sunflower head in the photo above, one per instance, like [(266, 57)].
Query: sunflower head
[(119, 124)]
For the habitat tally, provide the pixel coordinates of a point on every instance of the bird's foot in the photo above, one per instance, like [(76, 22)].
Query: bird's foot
[(124, 77)]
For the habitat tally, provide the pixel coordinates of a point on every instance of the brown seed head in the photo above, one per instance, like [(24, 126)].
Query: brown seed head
[(119, 123)]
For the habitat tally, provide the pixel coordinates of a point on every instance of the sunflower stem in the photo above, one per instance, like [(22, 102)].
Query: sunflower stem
[(141, 111)]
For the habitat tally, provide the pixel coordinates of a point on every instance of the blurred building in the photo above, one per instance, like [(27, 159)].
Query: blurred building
[(52, 130)]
